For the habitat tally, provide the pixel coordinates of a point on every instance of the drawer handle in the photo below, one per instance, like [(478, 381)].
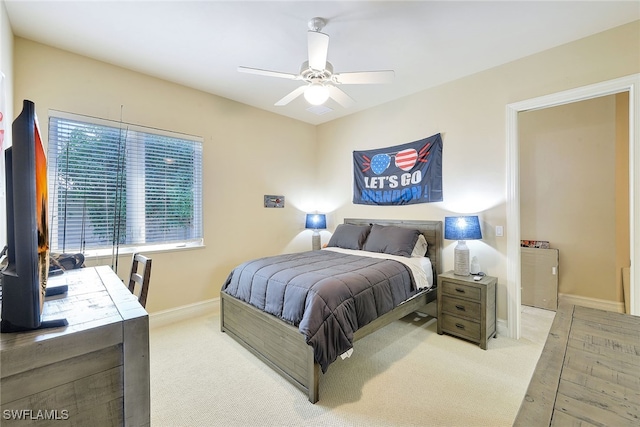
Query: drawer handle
[(459, 326), (460, 290), (461, 307)]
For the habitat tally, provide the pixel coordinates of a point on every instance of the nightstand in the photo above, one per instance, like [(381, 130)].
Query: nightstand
[(467, 308)]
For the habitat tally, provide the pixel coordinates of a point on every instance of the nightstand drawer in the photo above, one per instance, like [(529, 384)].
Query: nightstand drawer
[(460, 307), (460, 290), (461, 327)]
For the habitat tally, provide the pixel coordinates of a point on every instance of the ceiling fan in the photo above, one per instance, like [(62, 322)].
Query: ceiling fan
[(318, 74)]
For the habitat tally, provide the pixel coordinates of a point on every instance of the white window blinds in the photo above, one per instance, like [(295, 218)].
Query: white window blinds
[(116, 184)]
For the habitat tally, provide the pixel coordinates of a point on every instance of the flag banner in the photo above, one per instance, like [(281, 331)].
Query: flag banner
[(401, 175)]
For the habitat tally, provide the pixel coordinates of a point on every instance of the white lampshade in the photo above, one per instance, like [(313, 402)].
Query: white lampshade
[(316, 94)]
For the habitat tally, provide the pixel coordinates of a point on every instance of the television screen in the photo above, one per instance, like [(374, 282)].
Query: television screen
[(41, 212), (24, 279)]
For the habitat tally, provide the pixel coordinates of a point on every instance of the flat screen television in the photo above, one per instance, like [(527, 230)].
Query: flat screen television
[(24, 279)]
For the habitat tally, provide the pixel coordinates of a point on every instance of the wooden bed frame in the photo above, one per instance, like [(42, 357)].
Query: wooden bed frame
[(283, 347)]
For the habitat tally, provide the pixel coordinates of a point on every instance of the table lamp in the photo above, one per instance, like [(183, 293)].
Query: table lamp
[(316, 222), (461, 228)]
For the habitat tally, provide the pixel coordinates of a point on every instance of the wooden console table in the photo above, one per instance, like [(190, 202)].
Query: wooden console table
[(588, 372), (93, 372)]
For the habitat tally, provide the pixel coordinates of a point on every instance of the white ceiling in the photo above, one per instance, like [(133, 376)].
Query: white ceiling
[(200, 44)]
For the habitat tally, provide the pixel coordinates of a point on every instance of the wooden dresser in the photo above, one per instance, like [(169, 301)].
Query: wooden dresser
[(588, 372), (467, 308), (93, 372)]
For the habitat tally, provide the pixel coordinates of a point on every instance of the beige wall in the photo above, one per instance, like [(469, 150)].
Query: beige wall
[(470, 114), (6, 67), (247, 153), (570, 187)]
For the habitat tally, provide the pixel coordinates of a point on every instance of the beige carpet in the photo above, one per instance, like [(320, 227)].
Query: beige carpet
[(403, 375)]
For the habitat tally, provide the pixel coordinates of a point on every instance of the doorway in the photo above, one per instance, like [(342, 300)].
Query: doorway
[(574, 201), (629, 84)]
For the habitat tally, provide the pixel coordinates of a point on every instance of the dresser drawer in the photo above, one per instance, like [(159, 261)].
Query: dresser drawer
[(461, 290), (460, 307), (458, 326)]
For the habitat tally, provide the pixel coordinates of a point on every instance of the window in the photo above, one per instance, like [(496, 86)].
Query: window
[(115, 184)]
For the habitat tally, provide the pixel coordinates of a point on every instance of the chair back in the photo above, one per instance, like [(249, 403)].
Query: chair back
[(139, 278)]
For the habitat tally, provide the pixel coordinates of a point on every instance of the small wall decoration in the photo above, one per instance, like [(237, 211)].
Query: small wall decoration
[(400, 175), (273, 201)]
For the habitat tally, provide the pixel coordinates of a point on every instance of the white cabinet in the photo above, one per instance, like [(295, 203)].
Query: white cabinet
[(539, 277)]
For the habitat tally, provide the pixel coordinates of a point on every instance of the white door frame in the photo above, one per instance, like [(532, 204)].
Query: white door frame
[(630, 84)]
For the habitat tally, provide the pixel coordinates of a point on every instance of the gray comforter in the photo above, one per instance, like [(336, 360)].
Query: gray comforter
[(328, 295)]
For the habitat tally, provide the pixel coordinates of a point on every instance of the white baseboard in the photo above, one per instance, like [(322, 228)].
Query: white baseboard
[(167, 317), (502, 329), (599, 304)]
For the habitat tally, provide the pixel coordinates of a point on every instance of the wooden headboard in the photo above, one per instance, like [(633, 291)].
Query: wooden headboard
[(431, 230)]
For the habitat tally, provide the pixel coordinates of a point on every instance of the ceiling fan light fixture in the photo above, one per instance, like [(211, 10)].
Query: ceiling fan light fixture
[(316, 93)]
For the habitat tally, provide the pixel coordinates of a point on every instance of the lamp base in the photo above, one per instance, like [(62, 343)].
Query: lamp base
[(461, 259), (315, 240)]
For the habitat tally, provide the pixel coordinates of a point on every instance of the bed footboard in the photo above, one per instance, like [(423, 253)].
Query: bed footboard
[(278, 344), (283, 347)]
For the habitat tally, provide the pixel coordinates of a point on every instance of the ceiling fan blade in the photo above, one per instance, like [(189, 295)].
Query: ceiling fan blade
[(268, 73), (318, 45), (340, 97), (291, 96), (365, 77)]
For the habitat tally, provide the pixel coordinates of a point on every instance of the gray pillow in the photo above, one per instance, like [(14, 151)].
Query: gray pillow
[(391, 240), (349, 236)]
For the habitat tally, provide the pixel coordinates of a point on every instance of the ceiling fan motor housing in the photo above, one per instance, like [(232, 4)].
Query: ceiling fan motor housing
[(308, 74)]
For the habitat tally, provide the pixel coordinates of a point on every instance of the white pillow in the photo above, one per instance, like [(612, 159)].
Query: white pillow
[(420, 249)]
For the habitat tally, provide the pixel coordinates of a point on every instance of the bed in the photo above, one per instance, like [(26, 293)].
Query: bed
[(285, 338)]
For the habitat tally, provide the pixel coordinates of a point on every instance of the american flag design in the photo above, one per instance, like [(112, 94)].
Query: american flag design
[(380, 163), (406, 159)]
